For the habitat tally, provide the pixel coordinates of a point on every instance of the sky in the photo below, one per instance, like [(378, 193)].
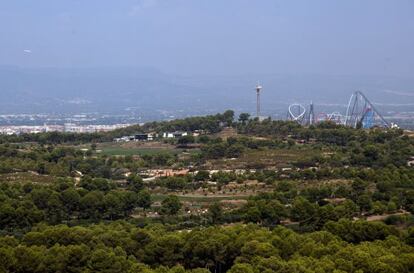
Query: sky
[(217, 37)]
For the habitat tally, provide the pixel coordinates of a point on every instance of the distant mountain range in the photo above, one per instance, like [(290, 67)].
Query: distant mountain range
[(114, 90)]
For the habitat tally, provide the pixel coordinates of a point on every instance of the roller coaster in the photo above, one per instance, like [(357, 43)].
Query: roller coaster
[(360, 113)]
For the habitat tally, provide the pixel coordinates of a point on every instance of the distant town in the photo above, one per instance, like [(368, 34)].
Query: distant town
[(67, 128), (101, 122)]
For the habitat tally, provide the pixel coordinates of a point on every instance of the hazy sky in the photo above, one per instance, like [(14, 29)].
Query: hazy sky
[(212, 36)]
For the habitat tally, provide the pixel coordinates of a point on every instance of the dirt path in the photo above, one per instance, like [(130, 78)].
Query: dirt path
[(384, 216)]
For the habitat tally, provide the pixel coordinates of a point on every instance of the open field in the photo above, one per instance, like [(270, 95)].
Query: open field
[(201, 198), (136, 151), (26, 177), (303, 184), (270, 158), (138, 148)]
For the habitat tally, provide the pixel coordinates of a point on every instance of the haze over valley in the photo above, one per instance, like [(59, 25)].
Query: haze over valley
[(134, 95)]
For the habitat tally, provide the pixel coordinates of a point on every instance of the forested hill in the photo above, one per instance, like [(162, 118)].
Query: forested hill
[(233, 195)]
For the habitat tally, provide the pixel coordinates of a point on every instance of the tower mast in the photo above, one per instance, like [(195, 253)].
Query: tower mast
[(258, 89), (311, 120)]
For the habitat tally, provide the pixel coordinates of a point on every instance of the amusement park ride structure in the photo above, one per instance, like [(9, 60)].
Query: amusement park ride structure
[(360, 113)]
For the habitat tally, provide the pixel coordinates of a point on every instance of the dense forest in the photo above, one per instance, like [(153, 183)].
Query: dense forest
[(249, 196), (123, 247)]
